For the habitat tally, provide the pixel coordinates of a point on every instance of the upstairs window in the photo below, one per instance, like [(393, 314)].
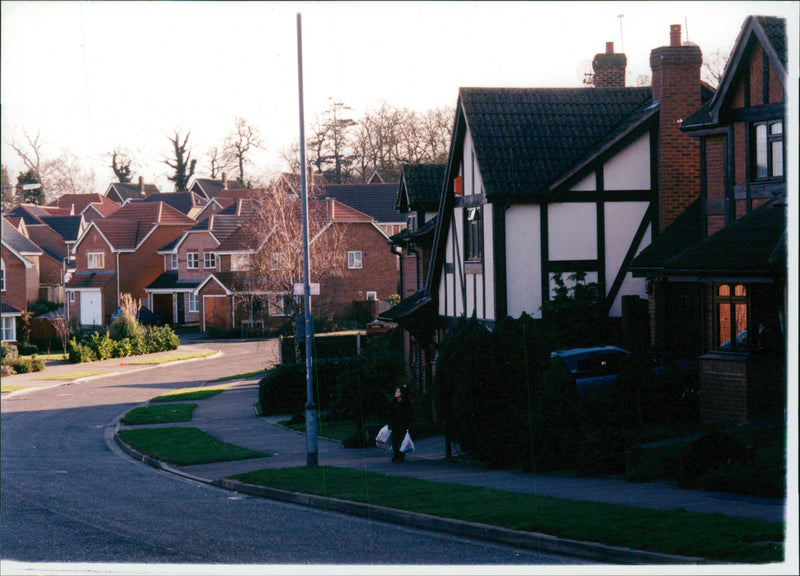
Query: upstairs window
[(731, 316), (473, 234), (95, 260), (209, 260), (767, 150), (277, 261), (354, 260), (173, 261), (192, 260)]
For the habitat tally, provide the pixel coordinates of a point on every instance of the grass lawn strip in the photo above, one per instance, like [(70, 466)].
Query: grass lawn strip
[(243, 376), (163, 414), (710, 536), (173, 358), (184, 446), (5, 388), (200, 393)]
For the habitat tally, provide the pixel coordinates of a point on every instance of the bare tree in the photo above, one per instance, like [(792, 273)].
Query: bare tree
[(331, 151), (66, 174), (239, 143), (121, 164), (182, 164), (216, 161), (9, 198), (30, 151), (713, 67)]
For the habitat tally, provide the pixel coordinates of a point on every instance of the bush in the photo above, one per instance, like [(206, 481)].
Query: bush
[(27, 349), (160, 338), (26, 365), (79, 353), (97, 346), (714, 454), (125, 326), (9, 351)]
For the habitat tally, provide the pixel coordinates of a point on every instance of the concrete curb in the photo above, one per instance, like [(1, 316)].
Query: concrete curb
[(530, 540)]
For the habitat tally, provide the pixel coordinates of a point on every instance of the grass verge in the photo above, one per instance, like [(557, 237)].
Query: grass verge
[(184, 446), (6, 388), (184, 394), (164, 414), (173, 358), (75, 375), (710, 536)]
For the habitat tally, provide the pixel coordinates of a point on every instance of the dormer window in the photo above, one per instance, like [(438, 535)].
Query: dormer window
[(767, 151)]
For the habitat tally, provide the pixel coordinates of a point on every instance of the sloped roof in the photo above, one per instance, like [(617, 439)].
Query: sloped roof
[(376, 200), (525, 138), (210, 188), (49, 241), (129, 190), (16, 241), (169, 281), (684, 232), (90, 280), (181, 201), (77, 203), (68, 227), (221, 225), (151, 212), (770, 32), (33, 213), (420, 187), (746, 248), (9, 310)]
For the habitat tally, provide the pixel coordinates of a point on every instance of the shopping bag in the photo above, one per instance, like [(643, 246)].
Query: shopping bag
[(384, 438), (408, 443)]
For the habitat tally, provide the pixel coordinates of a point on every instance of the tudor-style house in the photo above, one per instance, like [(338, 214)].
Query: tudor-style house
[(718, 273), (119, 255)]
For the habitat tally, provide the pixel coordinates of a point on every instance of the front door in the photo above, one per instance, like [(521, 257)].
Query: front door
[(91, 308), (181, 307)]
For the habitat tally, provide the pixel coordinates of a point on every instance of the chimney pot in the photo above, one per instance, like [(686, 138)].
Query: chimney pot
[(141, 184), (609, 47), (675, 35), (224, 181)]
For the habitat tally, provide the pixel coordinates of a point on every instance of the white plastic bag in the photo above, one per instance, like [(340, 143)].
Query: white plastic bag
[(384, 438), (408, 444)]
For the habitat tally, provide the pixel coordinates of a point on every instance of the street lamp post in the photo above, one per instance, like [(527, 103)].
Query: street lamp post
[(308, 332)]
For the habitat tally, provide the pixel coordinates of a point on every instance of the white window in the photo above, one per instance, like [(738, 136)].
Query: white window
[(95, 260), (9, 333), (354, 259), (372, 295), (240, 262), (192, 260), (71, 295), (194, 302), (2, 276), (173, 261), (276, 260), (279, 305), (209, 260)]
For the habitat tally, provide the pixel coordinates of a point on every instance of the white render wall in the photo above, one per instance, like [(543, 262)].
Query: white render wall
[(523, 260), (629, 169), (572, 231), (622, 221)]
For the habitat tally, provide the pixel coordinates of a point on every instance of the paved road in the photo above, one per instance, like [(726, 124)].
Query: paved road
[(70, 495)]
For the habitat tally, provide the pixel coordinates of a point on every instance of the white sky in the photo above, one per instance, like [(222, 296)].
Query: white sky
[(91, 76)]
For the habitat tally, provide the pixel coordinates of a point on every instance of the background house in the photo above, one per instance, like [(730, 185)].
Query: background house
[(119, 192), (19, 277)]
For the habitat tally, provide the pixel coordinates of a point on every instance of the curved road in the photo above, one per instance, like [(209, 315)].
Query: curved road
[(70, 495)]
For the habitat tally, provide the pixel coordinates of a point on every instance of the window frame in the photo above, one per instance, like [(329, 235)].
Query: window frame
[(473, 234), (192, 302), (192, 260), (90, 256), (240, 262), (209, 260), (352, 256), (2, 275), (769, 141), (173, 261), (8, 329), (729, 303)]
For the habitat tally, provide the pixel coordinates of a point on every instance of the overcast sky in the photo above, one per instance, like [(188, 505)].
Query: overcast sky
[(93, 75)]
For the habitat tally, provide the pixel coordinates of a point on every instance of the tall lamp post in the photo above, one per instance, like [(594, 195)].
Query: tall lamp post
[(308, 332)]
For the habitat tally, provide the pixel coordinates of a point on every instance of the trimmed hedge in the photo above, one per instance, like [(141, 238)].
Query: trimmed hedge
[(97, 346)]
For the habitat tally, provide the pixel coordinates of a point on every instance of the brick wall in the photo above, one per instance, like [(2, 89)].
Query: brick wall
[(609, 68), (723, 385), (15, 293), (676, 85)]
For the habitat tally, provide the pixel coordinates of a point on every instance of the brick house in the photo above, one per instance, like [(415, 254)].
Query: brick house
[(19, 277), (119, 192), (718, 272), (209, 188), (365, 273), (90, 206), (377, 200), (118, 255)]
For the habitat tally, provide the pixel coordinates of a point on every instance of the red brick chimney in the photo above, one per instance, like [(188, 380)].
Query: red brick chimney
[(676, 86), (609, 68)]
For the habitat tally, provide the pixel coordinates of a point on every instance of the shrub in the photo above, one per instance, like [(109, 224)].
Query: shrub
[(79, 353), (160, 338), (125, 326), (714, 453), (9, 351), (26, 365), (27, 349), (102, 345)]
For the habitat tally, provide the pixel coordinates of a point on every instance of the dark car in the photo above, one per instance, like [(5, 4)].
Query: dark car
[(144, 315), (595, 369)]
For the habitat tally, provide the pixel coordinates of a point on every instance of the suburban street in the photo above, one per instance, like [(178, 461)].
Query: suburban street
[(69, 494)]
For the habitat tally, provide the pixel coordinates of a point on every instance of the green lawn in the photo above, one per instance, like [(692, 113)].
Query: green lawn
[(200, 393), (164, 414), (243, 376), (75, 375), (678, 532), (184, 446), (172, 358)]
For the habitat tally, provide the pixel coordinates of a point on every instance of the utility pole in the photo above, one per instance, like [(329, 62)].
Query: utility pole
[(312, 451)]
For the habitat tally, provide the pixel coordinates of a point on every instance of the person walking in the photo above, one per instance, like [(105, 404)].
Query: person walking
[(400, 419)]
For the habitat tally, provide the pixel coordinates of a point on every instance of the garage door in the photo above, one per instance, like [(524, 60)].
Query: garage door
[(91, 308)]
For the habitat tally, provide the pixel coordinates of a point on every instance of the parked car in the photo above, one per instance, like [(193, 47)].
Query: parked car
[(144, 315), (378, 327), (595, 369)]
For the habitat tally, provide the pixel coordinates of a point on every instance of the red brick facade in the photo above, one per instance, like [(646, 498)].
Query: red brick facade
[(21, 283)]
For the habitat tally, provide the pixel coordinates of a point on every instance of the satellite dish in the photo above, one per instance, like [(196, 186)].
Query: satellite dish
[(585, 72)]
